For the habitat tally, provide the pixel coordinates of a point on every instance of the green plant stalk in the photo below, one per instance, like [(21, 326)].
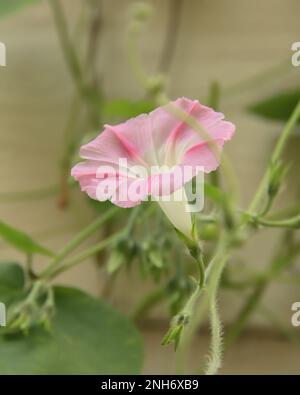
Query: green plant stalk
[(216, 339), (83, 256), (243, 316), (213, 101), (292, 223), (280, 262), (70, 146), (188, 309), (66, 44), (82, 236), (216, 344), (285, 213), (257, 79), (134, 60), (259, 289), (216, 348), (281, 143), (171, 37), (86, 83), (30, 195), (73, 63), (95, 94), (181, 320), (280, 326), (216, 267), (162, 99), (54, 270)]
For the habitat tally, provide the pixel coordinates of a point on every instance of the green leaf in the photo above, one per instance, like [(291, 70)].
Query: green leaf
[(12, 281), (278, 107), (22, 241), (8, 6), (123, 108), (87, 337)]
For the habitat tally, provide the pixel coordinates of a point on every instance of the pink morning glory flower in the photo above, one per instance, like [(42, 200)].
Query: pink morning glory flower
[(177, 140)]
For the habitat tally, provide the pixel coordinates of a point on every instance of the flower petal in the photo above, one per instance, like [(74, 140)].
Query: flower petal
[(181, 134), (177, 213), (195, 125)]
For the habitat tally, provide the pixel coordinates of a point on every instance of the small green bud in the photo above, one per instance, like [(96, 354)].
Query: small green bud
[(173, 335), (209, 232), (115, 261), (156, 84), (155, 259), (141, 11)]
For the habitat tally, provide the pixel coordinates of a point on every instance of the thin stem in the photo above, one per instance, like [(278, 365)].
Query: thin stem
[(213, 100), (134, 59), (288, 129), (172, 32), (216, 348), (31, 195), (188, 309), (73, 62), (282, 260), (54, 270), (213, 272), (292, 223), (280, 326), (284, 213), (66, 44), (243, 316), (83, 235), (70, 146), (216, 344), (185, 314), (257, 79), (29, 267), (94, 35), (83, 256), (90, 66)]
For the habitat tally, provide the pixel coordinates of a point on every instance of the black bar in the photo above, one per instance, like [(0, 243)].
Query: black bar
[(133, 384)]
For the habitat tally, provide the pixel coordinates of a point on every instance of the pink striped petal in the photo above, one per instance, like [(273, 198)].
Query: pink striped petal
[(181, 134)]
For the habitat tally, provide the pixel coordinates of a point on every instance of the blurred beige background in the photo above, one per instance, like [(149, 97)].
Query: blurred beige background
[(226, 40)]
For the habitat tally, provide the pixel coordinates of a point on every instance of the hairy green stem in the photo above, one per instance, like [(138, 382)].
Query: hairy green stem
[(216, 348), (214, 274)]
